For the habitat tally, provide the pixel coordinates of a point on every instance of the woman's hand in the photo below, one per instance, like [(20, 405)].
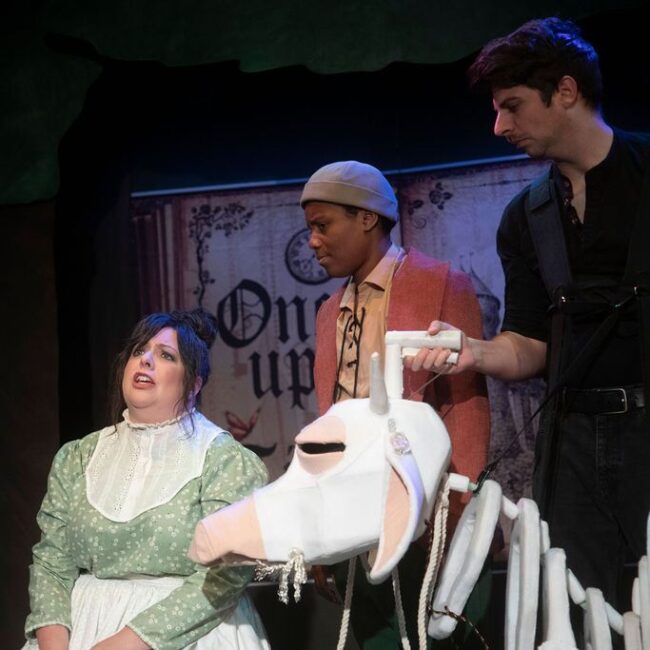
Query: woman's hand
[(125, 639), (53, 637)]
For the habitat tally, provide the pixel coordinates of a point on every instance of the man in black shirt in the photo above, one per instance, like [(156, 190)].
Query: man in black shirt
[(575, 249)]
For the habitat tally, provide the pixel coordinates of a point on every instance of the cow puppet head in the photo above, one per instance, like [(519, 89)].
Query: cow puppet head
[(363, 478)]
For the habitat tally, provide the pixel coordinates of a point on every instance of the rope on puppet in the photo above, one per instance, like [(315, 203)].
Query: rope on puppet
[(347, 602), (421, 387), (296, 565), (463, 619), (399, 608), (420, 391), (437, 540)]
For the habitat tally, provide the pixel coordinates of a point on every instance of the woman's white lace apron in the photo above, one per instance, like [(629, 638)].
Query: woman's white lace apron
[(103, 607)]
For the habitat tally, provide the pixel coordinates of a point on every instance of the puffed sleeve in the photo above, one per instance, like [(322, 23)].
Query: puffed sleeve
[(208, 596), (54, 571)]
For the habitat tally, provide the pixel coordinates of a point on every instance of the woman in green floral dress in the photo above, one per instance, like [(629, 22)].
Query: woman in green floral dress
[(111, 570)]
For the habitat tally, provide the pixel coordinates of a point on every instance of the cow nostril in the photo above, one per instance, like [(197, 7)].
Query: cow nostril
[(321, 447)]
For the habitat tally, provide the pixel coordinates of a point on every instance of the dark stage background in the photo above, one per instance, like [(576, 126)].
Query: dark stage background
[(68, 256)]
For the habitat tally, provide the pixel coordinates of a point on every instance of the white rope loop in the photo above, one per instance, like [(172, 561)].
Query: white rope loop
[(399, 608), (347, 602), (294, 565), (438, 539)]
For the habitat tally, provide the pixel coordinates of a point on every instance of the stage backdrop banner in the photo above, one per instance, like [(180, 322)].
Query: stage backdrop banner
[(243, 255)]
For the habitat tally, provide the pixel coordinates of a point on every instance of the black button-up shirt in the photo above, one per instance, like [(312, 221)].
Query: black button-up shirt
[(597, 251)]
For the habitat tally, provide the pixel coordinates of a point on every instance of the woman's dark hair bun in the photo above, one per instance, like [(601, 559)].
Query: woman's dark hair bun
[(202, 322)]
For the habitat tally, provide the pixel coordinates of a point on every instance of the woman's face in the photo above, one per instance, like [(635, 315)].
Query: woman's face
[(152, 384)]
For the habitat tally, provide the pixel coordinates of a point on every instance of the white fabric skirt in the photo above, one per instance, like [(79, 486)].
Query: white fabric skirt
[(101, 608)]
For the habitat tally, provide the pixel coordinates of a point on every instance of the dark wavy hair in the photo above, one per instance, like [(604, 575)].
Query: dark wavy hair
[(538, 54), (196, 331)]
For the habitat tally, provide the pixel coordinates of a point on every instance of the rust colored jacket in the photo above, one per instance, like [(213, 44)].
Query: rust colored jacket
[(424, 290)]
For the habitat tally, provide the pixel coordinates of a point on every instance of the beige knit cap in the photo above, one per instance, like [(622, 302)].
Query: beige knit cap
[(352, 183)]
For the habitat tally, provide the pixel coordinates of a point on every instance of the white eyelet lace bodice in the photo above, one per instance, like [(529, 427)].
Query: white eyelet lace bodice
[(141, 466)]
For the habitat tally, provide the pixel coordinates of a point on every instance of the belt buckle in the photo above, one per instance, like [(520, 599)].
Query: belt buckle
[(624, 409)]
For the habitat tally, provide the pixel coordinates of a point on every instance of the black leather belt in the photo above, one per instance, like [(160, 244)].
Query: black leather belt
[(603, 401)]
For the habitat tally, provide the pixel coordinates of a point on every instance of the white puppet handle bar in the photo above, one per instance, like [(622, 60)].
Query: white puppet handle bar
[(401, 344)]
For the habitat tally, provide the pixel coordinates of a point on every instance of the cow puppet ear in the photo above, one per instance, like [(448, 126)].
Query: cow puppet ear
[(403, 499)]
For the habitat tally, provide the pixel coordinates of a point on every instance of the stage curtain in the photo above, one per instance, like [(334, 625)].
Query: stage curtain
[(53, 51)]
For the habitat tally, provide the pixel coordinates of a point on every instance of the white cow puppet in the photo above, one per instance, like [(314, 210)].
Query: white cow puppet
[(364, 477)]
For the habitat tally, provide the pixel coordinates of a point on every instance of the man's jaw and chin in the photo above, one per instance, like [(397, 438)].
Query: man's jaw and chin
[(325, 263), (528, 147)]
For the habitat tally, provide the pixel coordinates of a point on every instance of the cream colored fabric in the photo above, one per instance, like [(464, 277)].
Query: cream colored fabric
[(100, 608), (373, 297), (139, 467)]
